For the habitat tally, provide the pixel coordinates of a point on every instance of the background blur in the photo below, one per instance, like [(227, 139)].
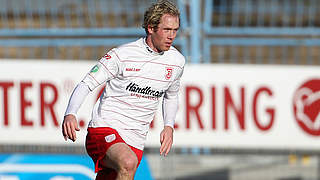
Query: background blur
[(231, 46)]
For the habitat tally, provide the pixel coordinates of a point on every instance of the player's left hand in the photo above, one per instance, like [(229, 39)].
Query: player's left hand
[(166, 140), (69, 127)]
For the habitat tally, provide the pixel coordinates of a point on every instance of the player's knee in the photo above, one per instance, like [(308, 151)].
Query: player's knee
[(128, 164)]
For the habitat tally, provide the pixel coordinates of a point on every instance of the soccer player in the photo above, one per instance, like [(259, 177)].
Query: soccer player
[(137, 76)]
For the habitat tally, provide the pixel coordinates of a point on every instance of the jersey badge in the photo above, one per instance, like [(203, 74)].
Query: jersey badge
[(168, 73), (110, 138), (107, 56), (94, 69)]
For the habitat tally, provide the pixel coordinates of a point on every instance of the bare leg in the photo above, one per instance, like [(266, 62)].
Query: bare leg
[(122, 159)]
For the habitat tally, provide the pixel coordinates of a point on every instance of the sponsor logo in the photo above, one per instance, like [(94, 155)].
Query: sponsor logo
[(306, 106), (95, 69), (107, 56), (133, 69), (110, 138), (135, 88), (168, 73)]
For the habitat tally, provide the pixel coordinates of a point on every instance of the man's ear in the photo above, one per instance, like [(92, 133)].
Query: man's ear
[(150, 29)]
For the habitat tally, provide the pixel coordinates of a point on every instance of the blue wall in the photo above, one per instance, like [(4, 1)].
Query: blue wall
[(55, 167)]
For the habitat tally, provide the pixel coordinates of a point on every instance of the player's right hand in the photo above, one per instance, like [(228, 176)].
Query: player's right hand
[(69, 127)]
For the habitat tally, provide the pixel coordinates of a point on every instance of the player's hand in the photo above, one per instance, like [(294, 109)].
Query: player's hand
[(166, 140), (69, 127)]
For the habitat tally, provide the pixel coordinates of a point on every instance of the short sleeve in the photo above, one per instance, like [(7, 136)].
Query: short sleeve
[(107, 68), (173, 90)]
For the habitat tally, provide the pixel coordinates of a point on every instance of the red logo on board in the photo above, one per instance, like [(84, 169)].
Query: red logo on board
[(168, 73), (306, 106)]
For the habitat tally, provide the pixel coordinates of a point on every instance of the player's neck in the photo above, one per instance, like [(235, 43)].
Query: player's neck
[(150, 44)]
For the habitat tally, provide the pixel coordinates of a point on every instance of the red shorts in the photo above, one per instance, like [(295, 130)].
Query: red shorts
[(99, 140)]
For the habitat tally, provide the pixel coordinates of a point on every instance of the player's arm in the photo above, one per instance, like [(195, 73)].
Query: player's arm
[(169, 111), (106, 69), (70, 123), (170, 107)]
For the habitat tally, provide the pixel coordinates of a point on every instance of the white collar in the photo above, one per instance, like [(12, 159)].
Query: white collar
[(149, 49)]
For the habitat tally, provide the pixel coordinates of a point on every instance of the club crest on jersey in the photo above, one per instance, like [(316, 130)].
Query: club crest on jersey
[(107, 56), (168, 73)]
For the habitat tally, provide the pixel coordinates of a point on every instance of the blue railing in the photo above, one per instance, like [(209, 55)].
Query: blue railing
[(282, 23), (75, 23), (278, 51), (205, 25)]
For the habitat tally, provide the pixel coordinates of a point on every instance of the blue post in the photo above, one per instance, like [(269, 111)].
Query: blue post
[(195, 31)]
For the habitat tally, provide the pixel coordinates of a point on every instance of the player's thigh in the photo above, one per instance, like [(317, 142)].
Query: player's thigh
[(118, 155)]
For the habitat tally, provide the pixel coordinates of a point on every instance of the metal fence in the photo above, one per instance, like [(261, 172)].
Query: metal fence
[(261, 31), (75, 29), (212, 31), (72, 17), (281, 17)]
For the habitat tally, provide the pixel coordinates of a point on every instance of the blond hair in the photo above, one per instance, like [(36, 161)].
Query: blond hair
[(153, 15)]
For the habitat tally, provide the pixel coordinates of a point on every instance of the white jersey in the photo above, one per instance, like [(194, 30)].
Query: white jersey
[(136, 79)]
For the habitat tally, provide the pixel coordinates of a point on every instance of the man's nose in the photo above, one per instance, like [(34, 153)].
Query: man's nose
[(172, 34)]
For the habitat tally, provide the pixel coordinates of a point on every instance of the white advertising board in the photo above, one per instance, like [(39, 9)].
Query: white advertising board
[(228, 106)]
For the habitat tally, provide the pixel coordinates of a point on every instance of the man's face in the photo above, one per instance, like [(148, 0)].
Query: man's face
[(163, 36)]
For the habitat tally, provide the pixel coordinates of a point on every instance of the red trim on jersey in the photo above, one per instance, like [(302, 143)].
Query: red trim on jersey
[(122, 115), (148, 78), (173, 91), (116, 54), (94, 78), (133, 105), (127, 60), (107, 69), (130, 45)]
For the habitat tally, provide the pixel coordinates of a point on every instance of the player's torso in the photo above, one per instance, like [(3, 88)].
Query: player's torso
[(131, 98), (144, 77), (149, 77)]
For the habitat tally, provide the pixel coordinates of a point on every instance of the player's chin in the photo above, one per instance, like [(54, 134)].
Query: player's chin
[(165, 48)]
